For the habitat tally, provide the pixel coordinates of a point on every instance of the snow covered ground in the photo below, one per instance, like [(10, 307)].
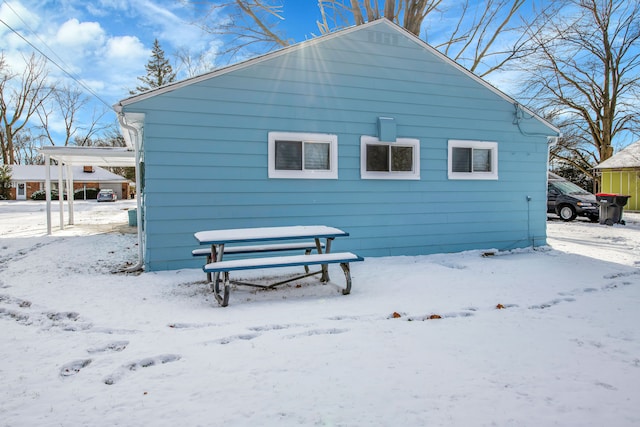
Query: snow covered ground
[(82, 346)]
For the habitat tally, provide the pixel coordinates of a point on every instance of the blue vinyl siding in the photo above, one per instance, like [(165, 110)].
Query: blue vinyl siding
[(205, 152)]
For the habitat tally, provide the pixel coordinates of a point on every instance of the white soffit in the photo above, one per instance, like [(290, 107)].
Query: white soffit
[(92, 156)]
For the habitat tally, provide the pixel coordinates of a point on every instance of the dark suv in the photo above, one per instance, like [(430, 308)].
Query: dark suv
[(568, 201)]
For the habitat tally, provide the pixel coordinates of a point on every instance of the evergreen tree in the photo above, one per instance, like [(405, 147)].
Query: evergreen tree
[(5, 181), (159, 71)]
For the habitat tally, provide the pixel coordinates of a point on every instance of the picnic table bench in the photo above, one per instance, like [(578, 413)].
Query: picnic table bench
[(288, 240), (308, 247)]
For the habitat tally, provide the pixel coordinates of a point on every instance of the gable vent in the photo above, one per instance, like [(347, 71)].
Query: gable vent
[(383, 38)]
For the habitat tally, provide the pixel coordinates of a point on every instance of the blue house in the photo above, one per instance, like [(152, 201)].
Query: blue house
[(368, 129)]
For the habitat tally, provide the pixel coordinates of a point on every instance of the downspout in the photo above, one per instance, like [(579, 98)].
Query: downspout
[(136, 143), (70, 193), (47, 190), (61, 194)]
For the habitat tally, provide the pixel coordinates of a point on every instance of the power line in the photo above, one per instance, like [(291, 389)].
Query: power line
[(71, 76)]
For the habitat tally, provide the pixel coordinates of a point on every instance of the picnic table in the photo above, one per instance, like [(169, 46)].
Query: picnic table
[(271, 239)]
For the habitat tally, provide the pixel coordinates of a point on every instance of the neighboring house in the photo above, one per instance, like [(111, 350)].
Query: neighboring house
[(27, 179), (368, 129), (620, 174)]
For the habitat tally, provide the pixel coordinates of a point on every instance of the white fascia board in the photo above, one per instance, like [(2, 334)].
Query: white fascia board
[(302, 45), (480, 80), (241, 65)]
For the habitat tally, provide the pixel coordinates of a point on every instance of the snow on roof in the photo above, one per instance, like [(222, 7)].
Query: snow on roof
[(628, 157), (35, 173)]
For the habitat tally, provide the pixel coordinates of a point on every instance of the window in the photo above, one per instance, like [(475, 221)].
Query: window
[(389, 160), (303, 155), (473, 160)]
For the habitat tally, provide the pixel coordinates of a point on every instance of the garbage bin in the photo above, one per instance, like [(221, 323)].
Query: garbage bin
[(611, 207), (133, 217)]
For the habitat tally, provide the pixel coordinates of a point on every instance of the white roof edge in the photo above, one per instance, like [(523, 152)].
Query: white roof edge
[(111, 151), (301, 45), (37, 173), (238, 66), (475, 77), (97, 156)]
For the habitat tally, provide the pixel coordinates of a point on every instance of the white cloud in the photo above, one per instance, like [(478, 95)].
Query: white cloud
[(125, 48), (171, 25), (18, 16), (122, 62), (82, 35), (103, 43), (21, 20)]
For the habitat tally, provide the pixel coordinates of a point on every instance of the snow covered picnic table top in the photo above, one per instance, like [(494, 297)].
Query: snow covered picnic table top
[(237, 235)]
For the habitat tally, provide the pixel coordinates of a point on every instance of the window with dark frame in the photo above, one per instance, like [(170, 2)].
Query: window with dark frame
[(399, 159), (389, 158), (469, 159), (302, 155)]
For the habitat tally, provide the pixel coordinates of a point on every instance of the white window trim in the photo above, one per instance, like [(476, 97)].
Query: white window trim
[(331, 173), (458, 143), (405, 142)]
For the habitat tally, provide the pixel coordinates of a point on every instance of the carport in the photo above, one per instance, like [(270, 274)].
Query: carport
[(82, 156), (87, 156), (131, 126)]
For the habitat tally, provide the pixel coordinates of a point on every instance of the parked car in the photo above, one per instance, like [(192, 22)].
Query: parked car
[(569, 201), (107, 196)]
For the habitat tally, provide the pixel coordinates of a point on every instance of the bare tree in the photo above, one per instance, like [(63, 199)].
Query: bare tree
[(486, 35), (409, 14), (585, 74), (478, 38), (192, 64), (25, 147), (66, 105), (109, 137), (249, 25), (20, 97)]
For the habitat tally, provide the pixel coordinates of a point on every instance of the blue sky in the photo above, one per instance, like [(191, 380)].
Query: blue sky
[(106, 43)]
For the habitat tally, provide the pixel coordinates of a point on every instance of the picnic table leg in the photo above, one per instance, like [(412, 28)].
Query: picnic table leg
[(216, 256), (347, 275), (306, 267), (325, 267), (224, 299), (210, 259)]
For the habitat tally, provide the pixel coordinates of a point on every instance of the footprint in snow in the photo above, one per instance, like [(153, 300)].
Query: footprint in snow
[(439, 316), (112, 346), (551, 303), (139, 364), (312, 332), (8, 299), (72, 368), (66, 320), (194, 325), (230, 339), (621, 274), (275, 327), (18, 316)]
